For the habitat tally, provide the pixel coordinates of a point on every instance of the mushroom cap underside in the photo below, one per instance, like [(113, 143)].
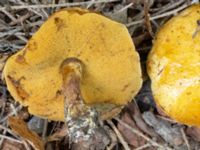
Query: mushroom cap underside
[(111, 66)]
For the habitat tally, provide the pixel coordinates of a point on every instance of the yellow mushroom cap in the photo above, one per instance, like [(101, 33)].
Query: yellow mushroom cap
[(111, 71), (174, 67)]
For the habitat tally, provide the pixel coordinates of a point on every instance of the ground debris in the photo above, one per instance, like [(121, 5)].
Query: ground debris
[(194, 133), (10, 145), (59, 135), (20, 128), (131, 138), (171, 134), (137, 116), (120, 13), (36, 124)]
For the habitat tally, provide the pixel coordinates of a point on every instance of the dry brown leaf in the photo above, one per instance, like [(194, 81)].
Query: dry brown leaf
[(136, 115), (20, 128), (161, 112), (130, 137), (11, 145), (147, 18), (58, 135), (2, 60), (141, 38), (171, 134), (194, 132)]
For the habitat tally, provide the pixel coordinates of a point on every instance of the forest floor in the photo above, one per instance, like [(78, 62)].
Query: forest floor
[(140, 125)]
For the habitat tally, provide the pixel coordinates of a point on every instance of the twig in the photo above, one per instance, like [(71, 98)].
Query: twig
[(166, 119), (11, 113), (8, 130), (44, 129), (38, 23), (22, 38), (41, 11), (13, 109), (20, 19), (123, 142), (124, 8), (2, 139), (155, 24), (147, 18), (185, 139), (11, 32), (3, 45), (57, 5), (9, 138), (4, 104), (26, 145), (37, 12), (135, 131), (143, 146), (113, 138), (14, 20), (9, 15), (169, 6), (137, 116), (172, 12), (91, 3)]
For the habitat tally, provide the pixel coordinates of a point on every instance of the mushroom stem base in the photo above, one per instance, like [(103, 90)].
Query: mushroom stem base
[(85, 131), (84, 126)]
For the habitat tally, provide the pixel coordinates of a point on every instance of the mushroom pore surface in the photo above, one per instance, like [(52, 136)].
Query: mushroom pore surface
[(111, 74)]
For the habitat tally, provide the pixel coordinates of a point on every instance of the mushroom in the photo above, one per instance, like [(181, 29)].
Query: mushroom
[(79, 59), (174, 67)]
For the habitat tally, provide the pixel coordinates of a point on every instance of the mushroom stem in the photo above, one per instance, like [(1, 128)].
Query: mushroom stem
[(84, 127)]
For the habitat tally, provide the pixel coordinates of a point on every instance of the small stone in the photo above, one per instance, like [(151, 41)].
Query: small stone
[(36, 124)]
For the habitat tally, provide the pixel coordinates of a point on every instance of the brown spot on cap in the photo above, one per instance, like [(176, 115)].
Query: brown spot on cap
[(16, 83), (20, 59), (59, 23), (125, 87)]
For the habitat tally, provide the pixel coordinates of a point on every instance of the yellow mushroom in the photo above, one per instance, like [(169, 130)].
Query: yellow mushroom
[(111, 70), (174, 67), (77, 58)]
